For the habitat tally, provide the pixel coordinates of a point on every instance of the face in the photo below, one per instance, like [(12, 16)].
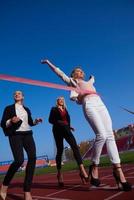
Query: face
[(60, 101), (78, 74), (18, 96)]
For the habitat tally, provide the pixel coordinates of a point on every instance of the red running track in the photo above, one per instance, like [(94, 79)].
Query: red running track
[(45, 187)]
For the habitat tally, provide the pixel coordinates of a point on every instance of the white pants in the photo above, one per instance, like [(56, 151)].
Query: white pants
[(99, 119)]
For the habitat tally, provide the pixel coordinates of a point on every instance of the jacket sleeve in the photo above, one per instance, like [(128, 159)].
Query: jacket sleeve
[(68, 118), (7, 114), (53, 117), (5, 117)]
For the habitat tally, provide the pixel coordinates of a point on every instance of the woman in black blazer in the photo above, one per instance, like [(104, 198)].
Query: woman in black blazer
[(16, 123), (60, 119)]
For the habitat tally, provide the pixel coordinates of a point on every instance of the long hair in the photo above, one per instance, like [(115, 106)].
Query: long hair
[(64, 104)]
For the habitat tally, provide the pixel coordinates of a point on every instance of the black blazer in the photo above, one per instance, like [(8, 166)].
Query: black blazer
[(10, 112), (55, 117)]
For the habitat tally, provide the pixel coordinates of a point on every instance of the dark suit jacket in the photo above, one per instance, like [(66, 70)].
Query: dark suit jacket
[(55, 117), (10, 112)]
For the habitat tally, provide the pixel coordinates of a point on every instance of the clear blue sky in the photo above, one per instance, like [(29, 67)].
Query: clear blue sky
[(96, 34)]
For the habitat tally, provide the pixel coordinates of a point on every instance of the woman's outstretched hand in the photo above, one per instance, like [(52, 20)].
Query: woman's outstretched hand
[(44, 61)]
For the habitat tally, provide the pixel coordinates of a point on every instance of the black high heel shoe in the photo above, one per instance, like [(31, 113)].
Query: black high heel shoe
[(84, 179), (93, 181), (60, 180), (125, 186)]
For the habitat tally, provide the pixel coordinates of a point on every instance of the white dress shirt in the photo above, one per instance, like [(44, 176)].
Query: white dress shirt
[(22, 114)]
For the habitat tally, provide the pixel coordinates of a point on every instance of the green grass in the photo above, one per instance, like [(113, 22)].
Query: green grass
[(127, 157)]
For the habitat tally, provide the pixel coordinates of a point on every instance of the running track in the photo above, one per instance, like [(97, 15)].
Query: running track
[(45, 187)]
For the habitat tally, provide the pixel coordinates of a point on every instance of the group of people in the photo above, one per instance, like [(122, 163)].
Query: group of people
[(17, 121)]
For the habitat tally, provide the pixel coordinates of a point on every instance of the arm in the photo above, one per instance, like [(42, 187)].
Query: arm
[(9, 123), (8, 120), (5, 118), (52, 117), (55, 69), (13, 120)]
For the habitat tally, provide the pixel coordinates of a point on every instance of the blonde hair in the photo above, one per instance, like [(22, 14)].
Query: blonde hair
[(64, 104), (73, 72)]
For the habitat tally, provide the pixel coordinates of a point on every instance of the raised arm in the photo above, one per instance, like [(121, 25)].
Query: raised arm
[(59, 72)]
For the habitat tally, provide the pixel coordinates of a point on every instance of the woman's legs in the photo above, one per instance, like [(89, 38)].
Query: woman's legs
[(3, 192), (17, 150), (110, 138), (59, 145), (99, 119), (16, 145), (94, 119), (120, 178), (72, 142), (111, 144), (118, 167), (29, 146)]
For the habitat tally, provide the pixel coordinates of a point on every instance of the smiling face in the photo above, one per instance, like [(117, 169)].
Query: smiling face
[(18, 96), (77, 73), (60, 102)]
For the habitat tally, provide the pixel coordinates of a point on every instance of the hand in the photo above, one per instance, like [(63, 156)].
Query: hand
[(15, 119), (131, 127), (44, 61), (37, 121), (72, 129), (91, 76)]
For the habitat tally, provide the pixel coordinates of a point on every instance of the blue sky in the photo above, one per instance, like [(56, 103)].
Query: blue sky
[(96, 34)]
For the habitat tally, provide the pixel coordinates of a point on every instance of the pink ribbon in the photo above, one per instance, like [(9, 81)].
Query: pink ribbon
[(6, 77)]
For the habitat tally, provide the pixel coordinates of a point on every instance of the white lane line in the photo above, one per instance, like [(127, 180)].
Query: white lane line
[(92, 187), (62, 191), (49, 198), (40, 197), (115, 195), (131, 173), (105, 187)]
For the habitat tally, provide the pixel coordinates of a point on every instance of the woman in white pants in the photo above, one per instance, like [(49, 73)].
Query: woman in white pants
[(99, 119)]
